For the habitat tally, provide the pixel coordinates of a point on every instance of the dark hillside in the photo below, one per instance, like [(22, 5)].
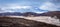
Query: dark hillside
[(52, 14), (19, 22)]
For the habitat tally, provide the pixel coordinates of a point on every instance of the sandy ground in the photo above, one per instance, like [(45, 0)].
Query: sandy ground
[(45, 19)]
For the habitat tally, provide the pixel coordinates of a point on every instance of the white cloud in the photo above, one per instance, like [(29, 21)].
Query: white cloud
[(39, 12), (49, 6), (14, 9), (3, 11), (15, 6)]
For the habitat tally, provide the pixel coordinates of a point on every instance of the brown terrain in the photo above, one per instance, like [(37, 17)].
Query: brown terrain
[(20, 22), (52, 14)]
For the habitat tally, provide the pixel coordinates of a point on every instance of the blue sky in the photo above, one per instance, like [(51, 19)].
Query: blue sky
[(38, 6)]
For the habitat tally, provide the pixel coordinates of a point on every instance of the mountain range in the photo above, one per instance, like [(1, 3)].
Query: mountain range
[(50, 13)]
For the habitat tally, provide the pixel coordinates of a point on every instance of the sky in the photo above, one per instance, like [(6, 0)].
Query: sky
[(38, 6)]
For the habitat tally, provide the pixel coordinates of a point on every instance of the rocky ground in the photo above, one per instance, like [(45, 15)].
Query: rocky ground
[(21, 22), (45, 19)]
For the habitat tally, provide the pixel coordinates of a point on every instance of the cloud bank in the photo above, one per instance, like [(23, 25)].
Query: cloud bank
[(49, 6), (29, 5)]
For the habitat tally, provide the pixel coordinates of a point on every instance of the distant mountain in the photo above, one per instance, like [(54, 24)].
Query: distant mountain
[(18, 14), (30, 13), (10, 13), (52, 14)]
